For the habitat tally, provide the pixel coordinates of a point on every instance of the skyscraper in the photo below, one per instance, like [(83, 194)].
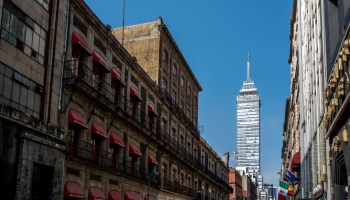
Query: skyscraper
[(248, 127)]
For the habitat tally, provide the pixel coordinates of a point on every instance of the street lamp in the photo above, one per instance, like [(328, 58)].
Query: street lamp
[(153, 174), (271, 185)]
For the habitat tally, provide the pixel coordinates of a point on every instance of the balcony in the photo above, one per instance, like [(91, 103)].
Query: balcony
[(174, 186), (100, 90), (85, 151)]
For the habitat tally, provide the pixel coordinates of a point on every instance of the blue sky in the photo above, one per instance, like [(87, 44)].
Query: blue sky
[(214, 37)]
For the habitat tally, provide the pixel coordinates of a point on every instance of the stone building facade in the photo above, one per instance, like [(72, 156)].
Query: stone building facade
[(31, 142), (304, 144), (291, 130), (336, 98), (128, 136)]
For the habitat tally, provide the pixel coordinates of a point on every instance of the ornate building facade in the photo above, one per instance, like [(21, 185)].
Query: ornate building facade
[(80, 117), (131, 118), (336, 97)]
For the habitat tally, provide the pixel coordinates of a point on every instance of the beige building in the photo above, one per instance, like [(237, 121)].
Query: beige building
[(131, 121), (156, 51)]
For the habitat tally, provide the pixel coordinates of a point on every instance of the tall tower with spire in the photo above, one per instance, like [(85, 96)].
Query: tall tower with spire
[(248, 127)]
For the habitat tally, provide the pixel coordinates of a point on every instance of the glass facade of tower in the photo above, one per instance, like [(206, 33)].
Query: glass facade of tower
[(248, 128)]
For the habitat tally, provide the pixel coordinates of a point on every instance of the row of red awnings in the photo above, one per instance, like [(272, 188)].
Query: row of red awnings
[(74, 117), (74, 190), (115, 74), (80, 43), (295, 166)]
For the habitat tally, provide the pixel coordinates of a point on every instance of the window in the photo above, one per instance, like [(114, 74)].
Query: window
[(44, 3), (173, 96), (80, 25), (19, 92), (189, 91), (96, 144), (174, 69), (182, 80), (117, 63), (23, 33), (165, 57), (73, 138), (164, 85), (99, 45), (173, 130), (134, 80), (98, 78)]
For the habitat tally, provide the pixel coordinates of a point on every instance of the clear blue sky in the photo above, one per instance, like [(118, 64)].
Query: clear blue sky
[(214, 37)]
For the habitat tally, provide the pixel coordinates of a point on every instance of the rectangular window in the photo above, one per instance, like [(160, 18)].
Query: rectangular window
[(99, 45), (164, 85), (189, 91), (174, 69), (80, 25), (23, 33), (44, 3), (134, 80), (19, 92), (165, 57), (182, 80), (173, 96), (117, 63)]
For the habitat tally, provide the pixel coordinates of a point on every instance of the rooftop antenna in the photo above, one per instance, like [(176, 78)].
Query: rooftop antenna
[(123, 22), (248, 67)]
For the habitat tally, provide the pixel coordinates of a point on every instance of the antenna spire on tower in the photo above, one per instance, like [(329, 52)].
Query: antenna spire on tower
[(248, 66)]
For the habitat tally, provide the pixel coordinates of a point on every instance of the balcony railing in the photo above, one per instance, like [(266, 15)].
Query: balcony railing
[(174, 186), (80, 72)]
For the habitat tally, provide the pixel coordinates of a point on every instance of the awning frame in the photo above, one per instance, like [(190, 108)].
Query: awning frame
[(115, 74), (74, 117), (135, 93), (115, 139), (97, 58), (151, 109), (97, 129), (79, 41), (73, 189), (133, 150), (152, 160)]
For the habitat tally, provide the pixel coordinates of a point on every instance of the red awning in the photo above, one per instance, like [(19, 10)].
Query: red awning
[(151, 160), (80, 42), (74, 117), (131, 195), (98, 129), (114, 195), (116, 75), (151, 197), (296, 158), (151, 109), (97, 58), (135, 93), (134, 150), (96, 193), (73, 190), (115, 139)]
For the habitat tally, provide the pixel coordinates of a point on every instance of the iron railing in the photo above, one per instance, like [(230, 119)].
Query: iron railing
[(80, 72)]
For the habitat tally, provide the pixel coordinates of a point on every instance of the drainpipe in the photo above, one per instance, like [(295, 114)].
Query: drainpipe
[(60, 96)]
